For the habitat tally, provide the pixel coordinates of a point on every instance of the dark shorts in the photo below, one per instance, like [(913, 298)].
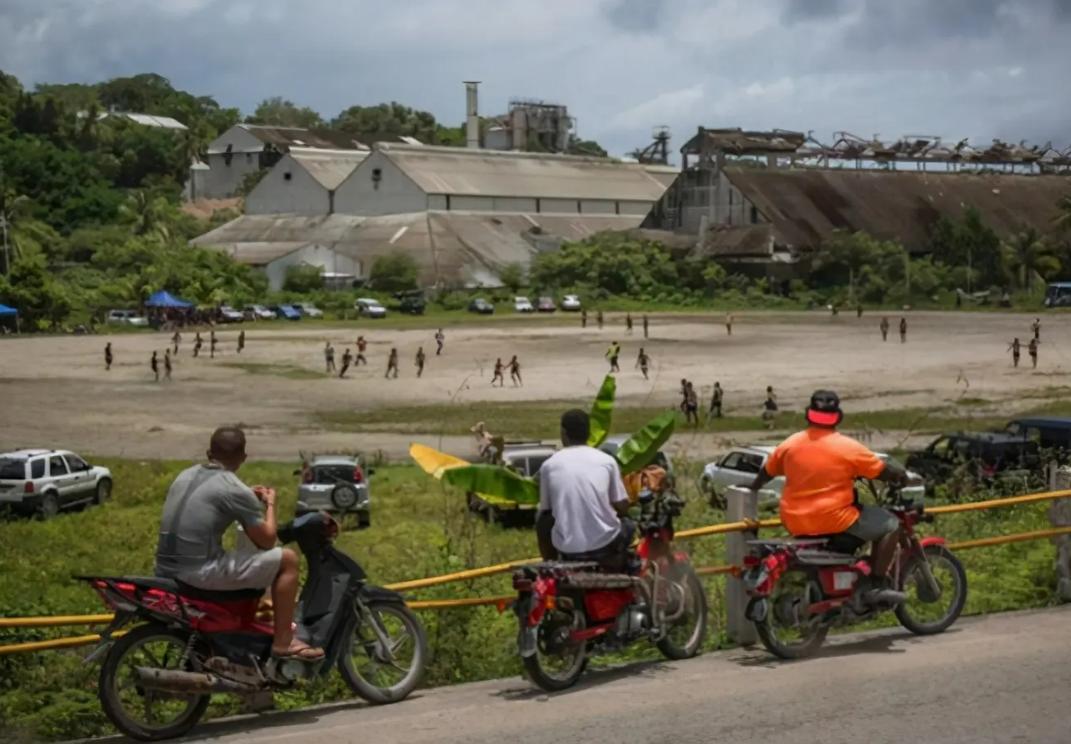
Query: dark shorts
[(873, 523)]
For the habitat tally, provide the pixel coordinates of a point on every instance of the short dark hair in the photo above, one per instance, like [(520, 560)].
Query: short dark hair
[(228, 442), (576, 426)]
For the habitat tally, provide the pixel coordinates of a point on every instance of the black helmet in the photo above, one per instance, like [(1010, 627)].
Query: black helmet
[(824, 409)]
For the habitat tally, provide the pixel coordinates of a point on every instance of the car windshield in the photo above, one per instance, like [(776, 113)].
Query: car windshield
[(328, 474), (12, 469)]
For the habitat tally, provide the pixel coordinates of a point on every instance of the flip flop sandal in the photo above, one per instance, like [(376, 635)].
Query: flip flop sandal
[(305, 653)]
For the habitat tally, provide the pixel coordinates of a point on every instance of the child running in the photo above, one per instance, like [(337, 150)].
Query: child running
[(392, 364), (498, 374), (643, 362), (420, 358), (515, 371)]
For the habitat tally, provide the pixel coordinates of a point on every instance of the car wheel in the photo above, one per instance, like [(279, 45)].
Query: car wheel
[(104, 491), (48, 507)]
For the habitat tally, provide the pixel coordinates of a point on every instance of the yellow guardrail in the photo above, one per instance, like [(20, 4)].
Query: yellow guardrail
[(477, 573)]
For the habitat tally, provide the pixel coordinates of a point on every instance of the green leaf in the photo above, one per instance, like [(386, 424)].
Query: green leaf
[(494, 480), (602, 411), (640, 450)]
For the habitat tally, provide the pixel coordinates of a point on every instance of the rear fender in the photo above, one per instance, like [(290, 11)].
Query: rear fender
[(527, 634), (932, 540), (370, 593)]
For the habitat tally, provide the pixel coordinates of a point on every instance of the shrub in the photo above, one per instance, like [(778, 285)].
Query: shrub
[(394, 272)]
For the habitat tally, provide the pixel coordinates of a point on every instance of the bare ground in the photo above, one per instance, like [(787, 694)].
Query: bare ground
[(55, 391)]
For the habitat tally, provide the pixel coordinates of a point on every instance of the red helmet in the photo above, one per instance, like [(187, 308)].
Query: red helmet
[(824, 409)]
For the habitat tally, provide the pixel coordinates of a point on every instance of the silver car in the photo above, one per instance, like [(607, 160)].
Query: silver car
[(336, 484), (41, 481), (740, 466)]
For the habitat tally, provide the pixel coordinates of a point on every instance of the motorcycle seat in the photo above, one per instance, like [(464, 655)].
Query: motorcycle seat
[(191, 592)]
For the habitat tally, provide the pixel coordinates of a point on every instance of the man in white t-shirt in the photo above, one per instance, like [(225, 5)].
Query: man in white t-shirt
[(581, 499)]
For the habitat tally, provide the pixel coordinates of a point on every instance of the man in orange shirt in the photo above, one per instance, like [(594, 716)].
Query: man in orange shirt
[(820, 466)]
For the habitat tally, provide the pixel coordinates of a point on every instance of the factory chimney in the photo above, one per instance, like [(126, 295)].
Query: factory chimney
[(472, 115)]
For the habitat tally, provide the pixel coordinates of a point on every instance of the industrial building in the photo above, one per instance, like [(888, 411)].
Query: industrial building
[(303, 182)]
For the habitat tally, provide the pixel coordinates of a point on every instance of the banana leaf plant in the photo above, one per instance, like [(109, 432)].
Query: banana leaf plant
[(504, 484)]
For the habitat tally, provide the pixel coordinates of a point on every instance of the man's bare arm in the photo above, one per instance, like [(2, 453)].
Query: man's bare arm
[(264, 534), (760, 480), (543, 526)]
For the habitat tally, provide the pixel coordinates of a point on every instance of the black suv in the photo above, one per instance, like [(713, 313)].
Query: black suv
[(1052, 433), (411, 303), (985, 454)]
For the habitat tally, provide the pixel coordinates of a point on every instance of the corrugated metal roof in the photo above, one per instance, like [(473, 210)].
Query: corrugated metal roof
[(283, 138), (806, 206), (329, 167), (147, 120), (463, 171), (666, 174)]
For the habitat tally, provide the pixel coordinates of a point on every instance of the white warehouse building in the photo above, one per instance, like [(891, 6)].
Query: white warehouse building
[(303, 182)]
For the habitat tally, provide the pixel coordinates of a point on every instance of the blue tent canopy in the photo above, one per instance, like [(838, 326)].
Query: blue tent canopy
[(166, 299), (5, 310)]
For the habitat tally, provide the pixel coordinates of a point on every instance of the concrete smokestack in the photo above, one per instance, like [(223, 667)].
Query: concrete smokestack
[(472, 115)]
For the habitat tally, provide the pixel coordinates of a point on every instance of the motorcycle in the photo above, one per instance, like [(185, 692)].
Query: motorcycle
[(568, 610), (801, 588), (156, 679)]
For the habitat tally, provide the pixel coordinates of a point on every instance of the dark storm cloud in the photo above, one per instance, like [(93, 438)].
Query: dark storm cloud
[(638, 16), (811, 10)]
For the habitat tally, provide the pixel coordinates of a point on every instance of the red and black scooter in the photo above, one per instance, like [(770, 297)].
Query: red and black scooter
[(568, 610), (187, 643), (802, 587)]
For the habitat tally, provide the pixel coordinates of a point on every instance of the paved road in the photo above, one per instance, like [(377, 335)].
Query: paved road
[(1004, 678)]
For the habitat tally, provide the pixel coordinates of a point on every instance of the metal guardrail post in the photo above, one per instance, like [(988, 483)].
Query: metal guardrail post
[(1060, 516), (742, 504)]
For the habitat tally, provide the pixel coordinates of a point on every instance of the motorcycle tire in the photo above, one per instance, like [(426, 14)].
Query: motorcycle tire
[(414, 629), (936, 553), (549, 681), (786, 650), (685, 574), (109, 694)]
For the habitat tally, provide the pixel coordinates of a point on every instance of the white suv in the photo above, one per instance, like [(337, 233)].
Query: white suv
[(127, 317), (41, 482)]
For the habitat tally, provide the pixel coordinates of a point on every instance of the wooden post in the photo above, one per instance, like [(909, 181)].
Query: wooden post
[(1060, 516), (742, 503)]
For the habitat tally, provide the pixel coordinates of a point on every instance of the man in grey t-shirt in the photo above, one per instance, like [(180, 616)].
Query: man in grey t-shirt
[(581, 498), (201, 504)]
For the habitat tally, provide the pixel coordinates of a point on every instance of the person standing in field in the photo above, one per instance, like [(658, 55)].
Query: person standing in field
[(628, 323), (645, 325), (440, 339), (612, 354), (361, 346), (729, 324), (1015, 348), (1036, 328), (241, 341), (392, 363), (420, 359), (598, 318), (515, 371), (197, 344), (154, 363), (108, 356), (691, 405), (212, 341), (859, 310), (498, 374), (769, 407), (175, 341), (1032, 350), (347, 359), (903, 330), (329, 358), (715, 401), (167, 364), (643, 362), (884, 326), (684, 394), (584, 318)]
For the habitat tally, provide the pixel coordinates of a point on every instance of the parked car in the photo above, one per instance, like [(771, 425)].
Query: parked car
[(126, 317), (308, 309), (546, 305), (286, 312), (41, 481), (571, 303), (984, 455), (336, 484), (1051, 433), (526, 458), (522, 305), (258, 312), (370, 308), (411, 302), (481, 306), (740, 466), (228, 314)]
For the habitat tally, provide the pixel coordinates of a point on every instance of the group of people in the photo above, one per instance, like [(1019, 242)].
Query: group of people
[(884, 326), (689, 404), (357, 358), (514, 372), (1015, 347), (167, 361)]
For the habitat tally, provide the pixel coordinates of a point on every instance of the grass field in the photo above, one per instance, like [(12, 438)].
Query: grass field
[(418, 530)]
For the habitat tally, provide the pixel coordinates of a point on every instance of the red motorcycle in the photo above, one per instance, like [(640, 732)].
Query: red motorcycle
[(187, 643), (800, 588), (567, 610)]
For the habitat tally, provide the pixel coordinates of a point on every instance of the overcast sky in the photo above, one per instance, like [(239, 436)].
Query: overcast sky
[(957, 68)]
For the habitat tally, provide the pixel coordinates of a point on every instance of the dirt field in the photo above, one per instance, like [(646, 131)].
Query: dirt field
[(56, 393)]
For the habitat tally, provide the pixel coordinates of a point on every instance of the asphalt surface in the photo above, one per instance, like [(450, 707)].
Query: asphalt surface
[(1001, 678)]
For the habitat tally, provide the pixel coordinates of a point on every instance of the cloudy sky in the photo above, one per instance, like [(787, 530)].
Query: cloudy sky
[(957, 68)]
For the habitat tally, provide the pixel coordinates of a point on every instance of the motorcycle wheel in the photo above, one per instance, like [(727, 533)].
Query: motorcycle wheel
[(781, 631), (684, 636), (148, 715), (556, 665), (382, 675), (924, 617)]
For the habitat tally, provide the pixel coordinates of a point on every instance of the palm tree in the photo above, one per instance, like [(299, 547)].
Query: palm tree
[(12, 208), (146, 215), (1027, 254)]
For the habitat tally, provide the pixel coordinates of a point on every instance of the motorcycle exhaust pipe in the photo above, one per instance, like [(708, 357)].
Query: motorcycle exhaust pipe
[(174, 680)]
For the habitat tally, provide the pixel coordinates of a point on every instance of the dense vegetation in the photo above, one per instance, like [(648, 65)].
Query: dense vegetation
[(418, 530)]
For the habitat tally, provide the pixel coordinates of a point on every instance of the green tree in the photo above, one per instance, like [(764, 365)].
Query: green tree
[(146, 215), (969, 242), (30, 288), (281, 112), (13, 207), (512, 276), (386, 120), (592, 148), (303, 278), (1063, 216), (1027, 253), (394, 272)]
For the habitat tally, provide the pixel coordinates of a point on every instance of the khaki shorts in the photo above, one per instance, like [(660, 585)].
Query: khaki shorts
[(240, 570)]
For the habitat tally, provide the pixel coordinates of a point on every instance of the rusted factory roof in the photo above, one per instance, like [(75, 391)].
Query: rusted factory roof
[(463, 171), (328, 167), (283, 138), (806, 206), (739, 141)]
